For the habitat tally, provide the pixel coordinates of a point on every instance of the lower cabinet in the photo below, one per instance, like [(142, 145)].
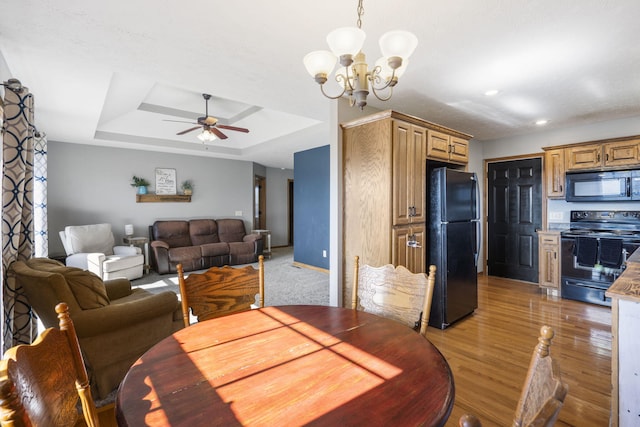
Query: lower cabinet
[(408, 247), (549, 260)]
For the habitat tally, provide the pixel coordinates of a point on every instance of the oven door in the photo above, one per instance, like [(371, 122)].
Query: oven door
[(589, 284), (585, 291), (571, 268), (598, 186)]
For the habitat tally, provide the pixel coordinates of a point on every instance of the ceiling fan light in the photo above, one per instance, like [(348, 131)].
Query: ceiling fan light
[(206, 136), (398, 43), (346, 41), (319, 62)]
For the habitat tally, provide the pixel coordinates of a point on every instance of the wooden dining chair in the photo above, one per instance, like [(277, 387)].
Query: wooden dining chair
[(394, 292), (220, 291), (543, 392), (40, 384)]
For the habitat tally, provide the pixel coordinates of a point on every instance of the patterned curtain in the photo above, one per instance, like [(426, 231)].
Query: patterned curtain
[(40, 224), (19, 325)]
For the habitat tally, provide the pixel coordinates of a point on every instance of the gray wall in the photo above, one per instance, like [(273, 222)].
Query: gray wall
[(277, 205), (89, 184)]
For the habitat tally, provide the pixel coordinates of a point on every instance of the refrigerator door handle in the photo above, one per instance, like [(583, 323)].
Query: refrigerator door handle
[(477, 197), (476, 250), (476, 254)]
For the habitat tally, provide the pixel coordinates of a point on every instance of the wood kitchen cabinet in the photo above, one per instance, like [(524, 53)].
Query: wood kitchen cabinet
[(448, 148), (384, 190), (608, 154), (408, 248), (605, 155), (549, 260), (621, 153), (554, 172), (409, 143), (583, 157)]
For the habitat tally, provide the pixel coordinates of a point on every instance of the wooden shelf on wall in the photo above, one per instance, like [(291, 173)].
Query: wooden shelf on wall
[(164, 198)]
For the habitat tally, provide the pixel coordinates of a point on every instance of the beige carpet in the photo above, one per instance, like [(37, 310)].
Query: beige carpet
[(284, 283)]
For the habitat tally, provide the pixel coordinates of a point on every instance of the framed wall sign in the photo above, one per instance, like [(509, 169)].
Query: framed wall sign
[(166, 181)]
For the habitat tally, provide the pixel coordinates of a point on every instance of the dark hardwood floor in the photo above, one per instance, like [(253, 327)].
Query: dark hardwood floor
[(489, 353)]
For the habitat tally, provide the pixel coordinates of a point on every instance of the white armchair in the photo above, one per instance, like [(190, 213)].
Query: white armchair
[(92, 247)]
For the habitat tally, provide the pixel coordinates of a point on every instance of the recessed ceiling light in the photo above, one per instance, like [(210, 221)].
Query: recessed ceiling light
[(491, 92), (542, 122)]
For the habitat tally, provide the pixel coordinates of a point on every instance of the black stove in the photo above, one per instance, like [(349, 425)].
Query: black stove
[(613, 223), (594, 252)]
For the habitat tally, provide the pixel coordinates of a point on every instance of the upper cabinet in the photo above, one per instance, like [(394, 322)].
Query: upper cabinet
[(584, 157), (448, 148), (603, 155), (554, 172), (619, 153)]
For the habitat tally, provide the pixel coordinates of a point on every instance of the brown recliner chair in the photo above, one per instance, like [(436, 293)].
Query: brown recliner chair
[(115, 324)]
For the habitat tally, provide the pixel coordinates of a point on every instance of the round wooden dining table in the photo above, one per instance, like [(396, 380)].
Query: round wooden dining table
[(289, 366)]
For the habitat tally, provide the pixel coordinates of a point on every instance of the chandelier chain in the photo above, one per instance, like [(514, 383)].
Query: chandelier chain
[(360, 13)]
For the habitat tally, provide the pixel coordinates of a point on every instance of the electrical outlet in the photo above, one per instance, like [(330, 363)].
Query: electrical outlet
[(557, 215), (324, 254), (238, 213)]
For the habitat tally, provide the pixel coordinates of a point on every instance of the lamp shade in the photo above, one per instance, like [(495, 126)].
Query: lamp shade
[(206, 136), (128, 229), (319, 62), (346, 40), (398, 43)]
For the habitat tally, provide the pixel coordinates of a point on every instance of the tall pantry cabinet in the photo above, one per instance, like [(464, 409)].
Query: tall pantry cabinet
[(384, 189)]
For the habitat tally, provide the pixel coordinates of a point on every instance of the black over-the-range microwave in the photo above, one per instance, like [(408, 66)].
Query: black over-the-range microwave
[(606, 186)]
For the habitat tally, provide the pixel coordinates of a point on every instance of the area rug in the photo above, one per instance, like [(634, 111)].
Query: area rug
[(284, 282)]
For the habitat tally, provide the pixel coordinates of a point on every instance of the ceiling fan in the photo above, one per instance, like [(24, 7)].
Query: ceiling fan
[(209, 124)]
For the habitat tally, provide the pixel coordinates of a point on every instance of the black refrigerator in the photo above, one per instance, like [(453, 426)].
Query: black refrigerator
[(454, 240)]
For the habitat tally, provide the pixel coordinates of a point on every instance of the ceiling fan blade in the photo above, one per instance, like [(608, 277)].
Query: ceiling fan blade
[(218, 133), (179, 121), (245, 130), (188, 130)]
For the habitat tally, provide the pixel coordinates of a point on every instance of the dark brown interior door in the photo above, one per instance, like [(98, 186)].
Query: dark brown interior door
[(514, 214), (260, 203)]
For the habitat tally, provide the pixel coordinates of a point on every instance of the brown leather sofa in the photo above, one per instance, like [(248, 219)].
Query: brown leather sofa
[(115, 324), (201, 243)]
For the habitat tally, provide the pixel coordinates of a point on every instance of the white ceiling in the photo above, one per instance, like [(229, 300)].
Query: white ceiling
[(111, 72)]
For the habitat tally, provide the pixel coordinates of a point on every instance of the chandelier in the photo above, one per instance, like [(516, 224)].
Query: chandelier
[(346, 45)]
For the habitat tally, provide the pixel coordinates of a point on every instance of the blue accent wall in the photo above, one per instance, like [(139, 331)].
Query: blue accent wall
[(311, 207)]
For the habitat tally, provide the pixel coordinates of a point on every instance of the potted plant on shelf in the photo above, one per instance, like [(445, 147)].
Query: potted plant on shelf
[(187, 187), (140, 183)]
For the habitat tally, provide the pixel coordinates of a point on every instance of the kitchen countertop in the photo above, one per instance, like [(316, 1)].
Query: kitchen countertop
[(627, 286)]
